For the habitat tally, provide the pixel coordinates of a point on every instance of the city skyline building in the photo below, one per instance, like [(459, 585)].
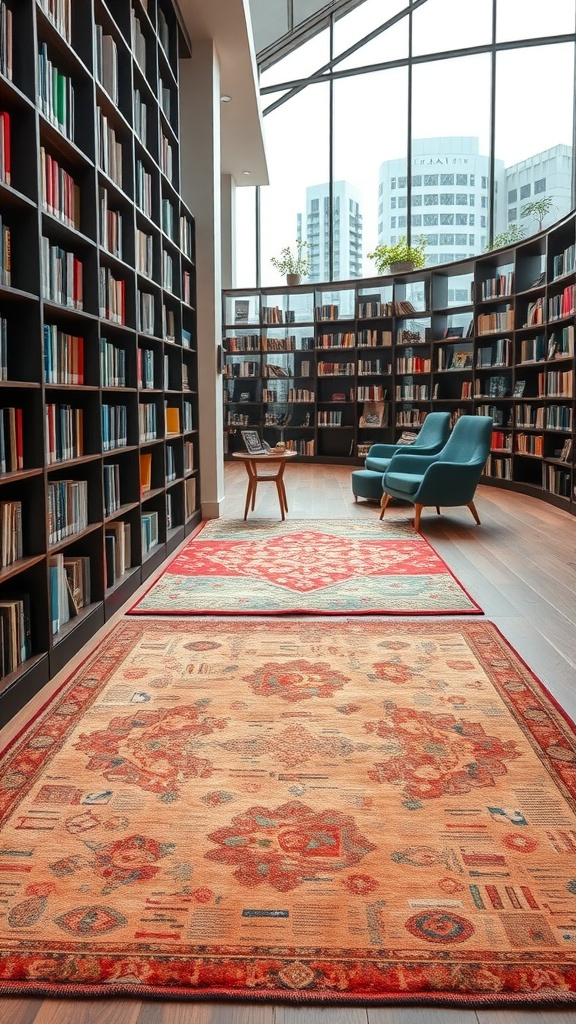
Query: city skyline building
[(314, 226), (450, 189)]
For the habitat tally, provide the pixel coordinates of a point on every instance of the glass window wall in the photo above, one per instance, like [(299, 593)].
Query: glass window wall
[(402, 125)]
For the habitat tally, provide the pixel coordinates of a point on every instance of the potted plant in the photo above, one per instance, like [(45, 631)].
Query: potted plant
[(399, 258), (294, 263)]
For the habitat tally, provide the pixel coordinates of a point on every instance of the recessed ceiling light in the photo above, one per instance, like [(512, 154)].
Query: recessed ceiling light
[(225, 99), (246, 172)]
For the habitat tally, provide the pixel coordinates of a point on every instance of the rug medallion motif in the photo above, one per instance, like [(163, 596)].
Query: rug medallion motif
[(324, 567), (283, 809)]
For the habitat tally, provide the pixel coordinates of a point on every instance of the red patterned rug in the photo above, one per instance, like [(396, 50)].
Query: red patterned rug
[(321, 567), (369, 814)]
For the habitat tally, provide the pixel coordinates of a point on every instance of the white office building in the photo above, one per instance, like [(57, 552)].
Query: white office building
[(450, 189), (314, 226), (545, 174)]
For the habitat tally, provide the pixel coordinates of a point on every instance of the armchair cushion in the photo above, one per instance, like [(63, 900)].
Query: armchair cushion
[(402, 483)]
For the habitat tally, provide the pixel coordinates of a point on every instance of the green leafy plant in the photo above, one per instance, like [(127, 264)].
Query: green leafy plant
[(513, 233), (384, 255), (293, 261), (538, 209)]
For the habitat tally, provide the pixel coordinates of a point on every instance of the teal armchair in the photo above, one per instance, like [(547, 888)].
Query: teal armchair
[(433, 434), (431, 437), (446, 479)]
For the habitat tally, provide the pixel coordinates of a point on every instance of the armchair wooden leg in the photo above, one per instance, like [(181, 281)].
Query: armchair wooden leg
[(438, 509), (417, 511), (383, 502), (472, 508)]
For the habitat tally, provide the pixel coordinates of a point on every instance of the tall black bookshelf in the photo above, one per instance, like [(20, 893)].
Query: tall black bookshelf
[(98, 365), (331, 368)]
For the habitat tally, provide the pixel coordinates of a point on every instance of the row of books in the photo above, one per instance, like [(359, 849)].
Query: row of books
[(114, 427), (501, 320), (10, 532), (168, 219), (498, 353), (335, 369), (112, 364), (370, 393), (62, 275), (143, 188), (329, 418), (366, 309), (500, 441), (69, 587), (412, 392), (60, 13), (501, 284), (138, 41), (413, 364), (63, 356), (499, 468), (374, 339), (564, 262), (118, 543), (110, 224), (344, 340), (55, 93), (106, 57), (168, 324), (67, 509), (64, 432), (186, 237), (5, 254), (145, 368), (140, 117), (563, 304), (165, 97), (144, 253), (552, 417), (166, 157), (109, 149), (6, 43), (373, 367), (557, 481), (15, 636), (147, 422), (111, 296), (168, 272), (5, 152), (11, 440), (145, 311), (534, 313), (111, 479), (149, 528), (186, 287)]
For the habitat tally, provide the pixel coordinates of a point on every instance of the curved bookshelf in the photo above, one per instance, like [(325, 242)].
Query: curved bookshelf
[(355, 362)]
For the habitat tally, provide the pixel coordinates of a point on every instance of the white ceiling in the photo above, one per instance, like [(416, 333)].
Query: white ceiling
[(227, 22)]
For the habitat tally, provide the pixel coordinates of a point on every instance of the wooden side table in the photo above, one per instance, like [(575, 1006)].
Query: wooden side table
[(272, 459)]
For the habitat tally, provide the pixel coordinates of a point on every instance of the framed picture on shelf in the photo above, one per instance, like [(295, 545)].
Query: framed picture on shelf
[(241, 310), (461, 360), (253, 443)]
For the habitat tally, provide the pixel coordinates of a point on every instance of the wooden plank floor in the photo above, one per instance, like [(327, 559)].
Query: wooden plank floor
[(520, 566)]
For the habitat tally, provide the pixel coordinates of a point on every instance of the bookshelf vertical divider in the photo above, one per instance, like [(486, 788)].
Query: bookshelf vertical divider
[(99, 473)]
